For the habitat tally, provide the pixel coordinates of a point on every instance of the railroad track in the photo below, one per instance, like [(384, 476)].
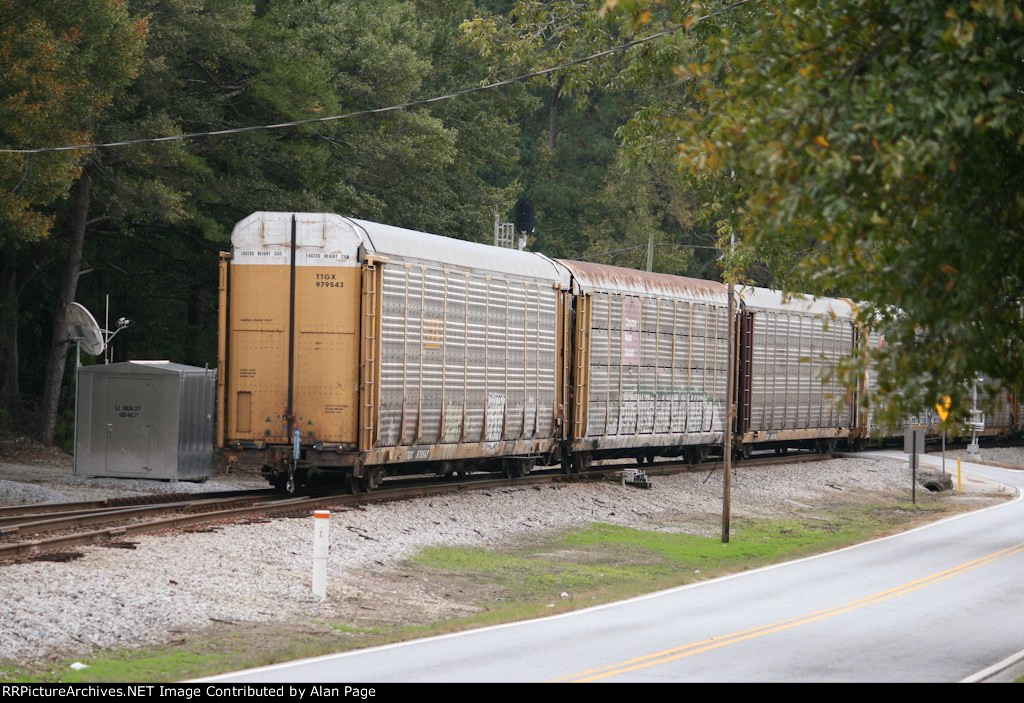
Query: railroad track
[(35, 508), (74, 521)]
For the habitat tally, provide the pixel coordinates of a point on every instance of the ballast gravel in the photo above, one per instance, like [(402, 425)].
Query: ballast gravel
[(260, 572)]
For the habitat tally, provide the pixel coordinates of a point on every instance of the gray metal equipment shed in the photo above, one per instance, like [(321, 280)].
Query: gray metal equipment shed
[(145, 419)]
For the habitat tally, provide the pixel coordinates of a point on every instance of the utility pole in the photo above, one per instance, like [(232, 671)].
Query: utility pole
[(730, 390)]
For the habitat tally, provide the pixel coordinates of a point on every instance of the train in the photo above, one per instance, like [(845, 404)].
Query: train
[(358, 350)]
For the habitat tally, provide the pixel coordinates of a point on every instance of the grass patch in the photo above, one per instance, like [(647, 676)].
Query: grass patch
[(160, 664), (525, 575), (353, 630), (602, 561), (218, 649)]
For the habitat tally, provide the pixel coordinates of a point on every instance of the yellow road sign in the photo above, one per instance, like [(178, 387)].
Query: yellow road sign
[(943, 407)]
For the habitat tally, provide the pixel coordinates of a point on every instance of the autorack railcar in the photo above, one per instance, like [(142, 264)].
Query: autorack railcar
[(650, 359), (363, 350), (789, 349), (354, 347)]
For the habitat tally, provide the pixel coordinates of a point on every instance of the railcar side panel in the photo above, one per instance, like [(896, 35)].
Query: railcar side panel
[(656, 367), (467, 357), (651, 360), (868, 424), (793, 384), (796, 347), (471, 365), (999, 409)]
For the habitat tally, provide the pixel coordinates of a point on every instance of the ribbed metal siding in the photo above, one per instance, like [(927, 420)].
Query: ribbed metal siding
[(195, 429), (678, 384), (466, 357), (998, 413), (871, 383), (794, 353)]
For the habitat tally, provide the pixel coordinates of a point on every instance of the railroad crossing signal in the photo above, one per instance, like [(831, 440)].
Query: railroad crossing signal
[(943, 407)]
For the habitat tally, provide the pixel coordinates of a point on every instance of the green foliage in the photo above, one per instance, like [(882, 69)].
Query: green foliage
[(483, 178), (536, 35), (593, 200), (159, 213), (60, 63), (878, 147)]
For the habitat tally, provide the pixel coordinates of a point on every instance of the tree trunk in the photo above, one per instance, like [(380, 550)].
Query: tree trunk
[(553, 116), (10, 391), (59, 347)]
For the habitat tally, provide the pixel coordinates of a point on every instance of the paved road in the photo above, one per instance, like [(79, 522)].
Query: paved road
[(939, 603)]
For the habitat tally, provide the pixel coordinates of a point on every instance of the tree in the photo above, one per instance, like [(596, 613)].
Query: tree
[(60, 63), (593, 200), (155, 215), (878, 148), (485, 176), (536, 35)]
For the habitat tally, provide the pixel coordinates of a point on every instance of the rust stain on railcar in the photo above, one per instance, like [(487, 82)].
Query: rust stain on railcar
[(615, 278)]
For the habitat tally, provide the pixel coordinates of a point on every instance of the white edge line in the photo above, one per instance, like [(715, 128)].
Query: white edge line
[(995, 668), (603, 606)]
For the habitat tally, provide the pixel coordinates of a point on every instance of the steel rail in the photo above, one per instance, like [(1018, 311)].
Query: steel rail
[(41, 523), (148, 499), (300, 505)]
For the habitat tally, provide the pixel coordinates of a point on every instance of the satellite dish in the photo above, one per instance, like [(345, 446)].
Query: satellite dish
[(81, 327)]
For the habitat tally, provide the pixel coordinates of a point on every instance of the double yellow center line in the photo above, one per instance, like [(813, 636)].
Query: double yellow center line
[(688, 650)]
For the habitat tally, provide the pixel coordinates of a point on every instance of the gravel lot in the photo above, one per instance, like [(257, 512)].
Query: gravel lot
[(1009, 457), (177, 582)]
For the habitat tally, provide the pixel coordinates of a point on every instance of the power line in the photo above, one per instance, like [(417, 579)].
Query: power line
[(379, 110), (630, 249)]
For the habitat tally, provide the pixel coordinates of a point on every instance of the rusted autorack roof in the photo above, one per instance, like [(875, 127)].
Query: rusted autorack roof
[(590, 277)]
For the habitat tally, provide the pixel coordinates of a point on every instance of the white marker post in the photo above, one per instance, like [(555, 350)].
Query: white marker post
[(321, 542)]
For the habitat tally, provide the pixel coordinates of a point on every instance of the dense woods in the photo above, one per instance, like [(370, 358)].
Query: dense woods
[(859, 148)]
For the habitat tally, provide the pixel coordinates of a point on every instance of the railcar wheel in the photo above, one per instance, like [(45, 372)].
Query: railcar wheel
[(825, 446), (371, 478), (567, 467), (517, 468), (351, 485), (581, 462)]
